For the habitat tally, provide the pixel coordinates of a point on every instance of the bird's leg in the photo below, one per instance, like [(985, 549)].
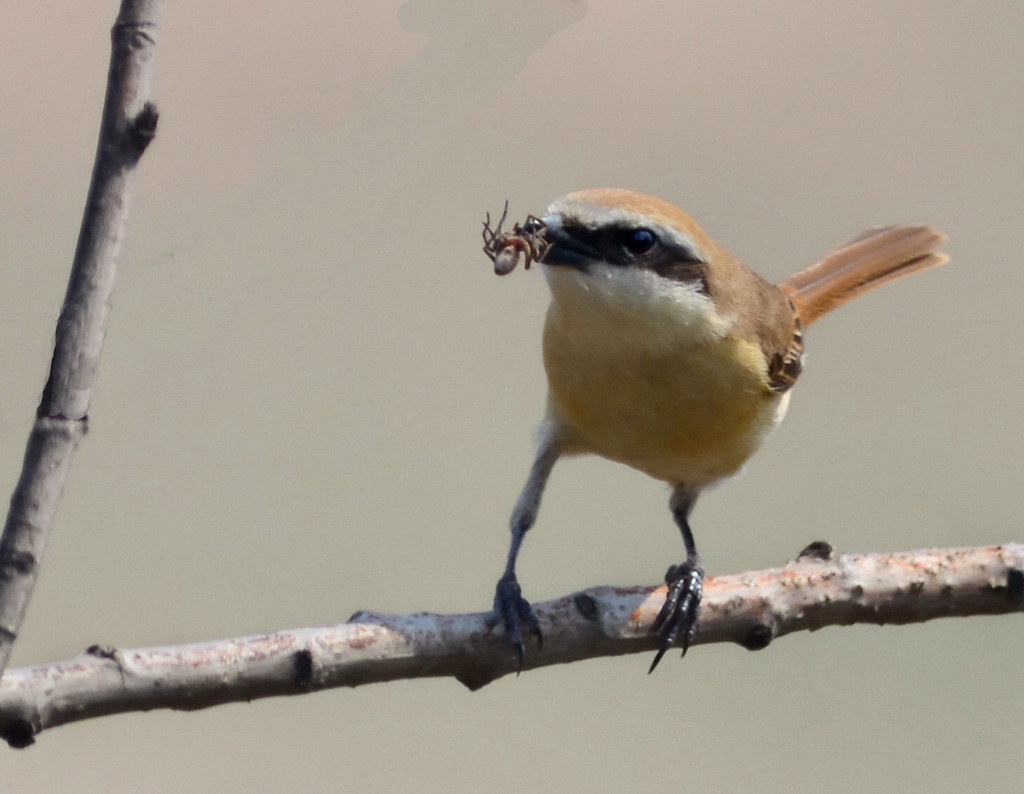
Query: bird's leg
[(510, 608), (677, 619)]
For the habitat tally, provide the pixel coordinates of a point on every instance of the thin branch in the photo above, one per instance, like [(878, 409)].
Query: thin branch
[(128, 125), (752, 609)]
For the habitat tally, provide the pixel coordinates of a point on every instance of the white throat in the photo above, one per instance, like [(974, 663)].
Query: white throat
[(609, 300)]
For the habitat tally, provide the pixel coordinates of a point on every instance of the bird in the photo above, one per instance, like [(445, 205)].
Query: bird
[(665, 353)]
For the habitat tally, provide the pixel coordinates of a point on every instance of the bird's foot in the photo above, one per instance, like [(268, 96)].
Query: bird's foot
[(515, 615), (677, 619)]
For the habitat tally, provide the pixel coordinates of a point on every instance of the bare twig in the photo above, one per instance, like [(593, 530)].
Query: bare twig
[(816, 590), (128, 125)]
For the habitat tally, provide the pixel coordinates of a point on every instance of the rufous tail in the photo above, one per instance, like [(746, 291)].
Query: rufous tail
[(873, 258)]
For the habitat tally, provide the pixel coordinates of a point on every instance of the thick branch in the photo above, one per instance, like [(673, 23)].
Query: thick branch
[(752, 609), (128, 125)]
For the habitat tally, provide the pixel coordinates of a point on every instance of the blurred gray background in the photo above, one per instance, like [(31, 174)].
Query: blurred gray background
[(316, 397)]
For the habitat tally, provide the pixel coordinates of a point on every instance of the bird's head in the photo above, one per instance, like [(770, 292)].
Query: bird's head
[(624, 255)]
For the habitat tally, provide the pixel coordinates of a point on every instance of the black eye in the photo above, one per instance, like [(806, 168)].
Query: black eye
[(638, 241)]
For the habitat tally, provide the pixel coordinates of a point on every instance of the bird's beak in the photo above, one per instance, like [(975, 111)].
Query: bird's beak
[(565, 248)]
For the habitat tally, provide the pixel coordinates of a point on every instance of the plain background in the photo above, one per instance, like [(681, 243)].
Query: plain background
[(316, 397)]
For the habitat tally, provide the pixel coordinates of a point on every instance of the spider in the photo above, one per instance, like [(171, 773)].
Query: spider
[(505, 248)]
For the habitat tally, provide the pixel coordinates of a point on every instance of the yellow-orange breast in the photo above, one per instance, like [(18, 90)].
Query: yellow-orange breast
[(680, 403)]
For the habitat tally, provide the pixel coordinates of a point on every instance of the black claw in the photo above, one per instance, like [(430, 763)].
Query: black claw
[(514, 613), (678, 617), (657, 658)]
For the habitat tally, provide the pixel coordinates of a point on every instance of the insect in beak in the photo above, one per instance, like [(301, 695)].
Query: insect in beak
[(505, 248)]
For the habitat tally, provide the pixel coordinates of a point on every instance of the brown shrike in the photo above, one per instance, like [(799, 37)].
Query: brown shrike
[(665, 353)]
